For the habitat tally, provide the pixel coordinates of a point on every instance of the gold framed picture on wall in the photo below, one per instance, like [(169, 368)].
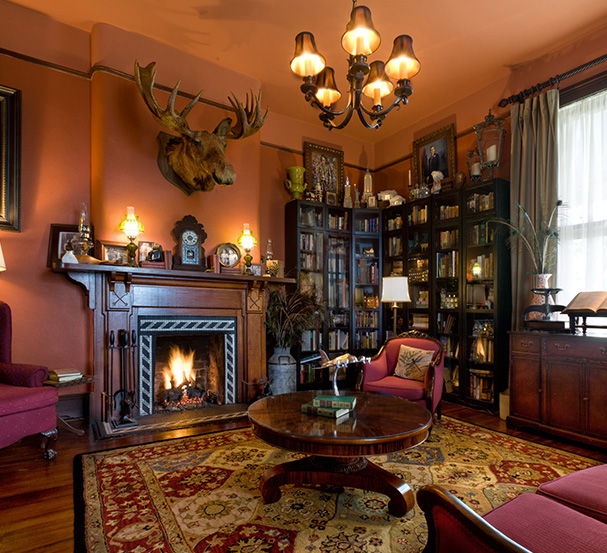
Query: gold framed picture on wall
[(435, 152), (325, 170)]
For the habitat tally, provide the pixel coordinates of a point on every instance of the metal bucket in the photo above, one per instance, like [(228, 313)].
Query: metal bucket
[(282, 372)]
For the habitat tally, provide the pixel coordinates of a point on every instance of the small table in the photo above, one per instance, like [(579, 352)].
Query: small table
[(85, 379), (378, 425)]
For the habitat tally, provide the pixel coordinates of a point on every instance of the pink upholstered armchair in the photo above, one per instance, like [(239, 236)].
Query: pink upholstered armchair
[(26, 407), (379, 373)]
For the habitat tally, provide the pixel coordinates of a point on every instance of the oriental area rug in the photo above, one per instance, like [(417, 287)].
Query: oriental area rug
[(201, 494)]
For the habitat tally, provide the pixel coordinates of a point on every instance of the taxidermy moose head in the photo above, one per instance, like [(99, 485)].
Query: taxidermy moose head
[(196, 160)]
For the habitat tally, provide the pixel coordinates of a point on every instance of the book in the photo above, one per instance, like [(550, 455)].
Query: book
[(64, 377), (331, 412), (337, 402), (588, 303)]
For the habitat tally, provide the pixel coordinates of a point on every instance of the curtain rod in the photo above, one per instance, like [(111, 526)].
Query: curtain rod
[(524, 94)]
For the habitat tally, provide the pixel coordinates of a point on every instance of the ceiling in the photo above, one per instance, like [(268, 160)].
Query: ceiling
[(463, 45)]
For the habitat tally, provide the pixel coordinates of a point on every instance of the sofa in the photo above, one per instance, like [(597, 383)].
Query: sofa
[(565, 515), (26, 406)]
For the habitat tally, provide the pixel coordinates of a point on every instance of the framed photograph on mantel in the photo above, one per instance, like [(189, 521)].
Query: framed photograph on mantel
[(325, 170), (435, 152)]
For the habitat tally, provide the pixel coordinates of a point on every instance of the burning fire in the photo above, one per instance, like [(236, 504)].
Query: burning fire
[(180, 369)]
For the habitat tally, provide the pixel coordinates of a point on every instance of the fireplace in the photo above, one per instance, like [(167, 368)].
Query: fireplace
[(150, 305), (186, 362)]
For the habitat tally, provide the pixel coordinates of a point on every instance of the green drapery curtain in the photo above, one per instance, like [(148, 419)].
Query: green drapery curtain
[(533, 181)]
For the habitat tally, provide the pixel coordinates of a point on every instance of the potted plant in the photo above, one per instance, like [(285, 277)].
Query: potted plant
[(288, 315)]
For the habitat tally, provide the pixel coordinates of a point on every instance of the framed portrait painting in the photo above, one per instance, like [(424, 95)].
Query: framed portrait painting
[(435, 152), (324, 170), (10, 159)]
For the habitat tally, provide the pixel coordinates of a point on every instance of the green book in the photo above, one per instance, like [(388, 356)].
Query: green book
[(330, 412), (340, 402)]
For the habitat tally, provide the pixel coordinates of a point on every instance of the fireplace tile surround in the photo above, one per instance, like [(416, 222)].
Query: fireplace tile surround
[(122, 297)]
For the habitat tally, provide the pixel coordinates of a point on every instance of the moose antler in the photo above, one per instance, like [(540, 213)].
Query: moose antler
[(249, 119), (196, 159), (169, 118)]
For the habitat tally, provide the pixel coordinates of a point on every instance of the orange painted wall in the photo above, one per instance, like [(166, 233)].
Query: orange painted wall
[(92, 140)]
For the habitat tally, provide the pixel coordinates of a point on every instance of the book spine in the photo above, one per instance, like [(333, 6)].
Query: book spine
[(335, 404), (322, 411)]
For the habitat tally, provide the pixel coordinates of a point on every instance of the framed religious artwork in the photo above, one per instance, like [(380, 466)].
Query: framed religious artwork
[(325, 171), (435, 152), (10, 159)]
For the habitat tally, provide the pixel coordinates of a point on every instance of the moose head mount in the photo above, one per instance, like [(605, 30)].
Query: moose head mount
[(196, 160)]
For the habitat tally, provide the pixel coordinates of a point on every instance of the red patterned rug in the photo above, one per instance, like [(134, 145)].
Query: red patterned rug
[(201, 494)]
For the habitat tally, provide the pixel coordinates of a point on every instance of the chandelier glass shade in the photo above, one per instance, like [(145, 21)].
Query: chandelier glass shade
[(371, 80)]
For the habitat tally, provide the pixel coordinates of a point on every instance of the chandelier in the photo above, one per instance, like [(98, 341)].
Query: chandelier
[(359, 40)]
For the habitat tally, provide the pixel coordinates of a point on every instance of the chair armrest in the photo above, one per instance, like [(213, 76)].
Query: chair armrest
[(453, 526), (29, 376), (375, 369)]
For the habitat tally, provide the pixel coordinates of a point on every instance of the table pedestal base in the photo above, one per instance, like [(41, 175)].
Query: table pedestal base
[(355, 472)]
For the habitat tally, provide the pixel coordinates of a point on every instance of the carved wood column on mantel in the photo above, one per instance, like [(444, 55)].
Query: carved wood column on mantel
[(118, 295)]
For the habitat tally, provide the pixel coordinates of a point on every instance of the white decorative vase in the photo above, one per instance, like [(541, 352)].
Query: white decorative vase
[(282, 372)]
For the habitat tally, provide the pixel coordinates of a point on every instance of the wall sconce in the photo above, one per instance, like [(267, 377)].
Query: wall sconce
[(132, 228), (474, 165), (490, 138), (248, 242), (395, 289), (2, 262)]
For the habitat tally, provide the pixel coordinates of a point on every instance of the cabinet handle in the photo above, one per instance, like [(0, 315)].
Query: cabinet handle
[(603, 351), (586, 399), (558, 346), (527, 344), (540, 390)]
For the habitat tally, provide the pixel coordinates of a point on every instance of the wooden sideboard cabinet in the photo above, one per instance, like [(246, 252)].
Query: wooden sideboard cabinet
[(558, 384)]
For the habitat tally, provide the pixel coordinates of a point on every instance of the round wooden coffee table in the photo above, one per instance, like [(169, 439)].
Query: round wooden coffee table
[(378, 425)]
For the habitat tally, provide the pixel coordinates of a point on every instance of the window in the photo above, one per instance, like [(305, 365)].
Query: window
[(582, 146)]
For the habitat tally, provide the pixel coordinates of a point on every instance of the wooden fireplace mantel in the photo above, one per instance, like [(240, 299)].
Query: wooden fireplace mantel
[(119, 294)]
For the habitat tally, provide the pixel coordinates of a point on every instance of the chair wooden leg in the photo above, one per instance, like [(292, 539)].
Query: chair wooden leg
[(49, 436)]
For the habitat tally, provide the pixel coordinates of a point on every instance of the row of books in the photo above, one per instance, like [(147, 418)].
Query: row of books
[(448, 212), (480, 234), (367, 272), (367, 225), (311, 261), (369, 319), (448, 239), (310, 218), (367, 339), (338, 222), (447, 264), (396, 223), (485, 262), (420, 321), (311, 340), (338, 340), (339, 293), (310, 241), (450, 346), (395, 246), (481, 384), (446, 323), (480, 202), (418, 215)]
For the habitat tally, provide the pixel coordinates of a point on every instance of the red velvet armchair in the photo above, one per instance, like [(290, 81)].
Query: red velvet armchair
[(378, 374), (26, 407)]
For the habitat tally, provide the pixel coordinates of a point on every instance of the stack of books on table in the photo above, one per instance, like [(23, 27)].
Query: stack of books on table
[(63, 377), (329, 406)]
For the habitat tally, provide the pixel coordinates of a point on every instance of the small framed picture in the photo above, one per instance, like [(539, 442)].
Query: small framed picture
[(256, 269), (144, 249), (331, 198), (59, 237), (229, 254), (371, 201), (111, 252)]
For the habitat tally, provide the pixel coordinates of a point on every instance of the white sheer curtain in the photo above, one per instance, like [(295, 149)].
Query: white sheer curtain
[(582, 146)]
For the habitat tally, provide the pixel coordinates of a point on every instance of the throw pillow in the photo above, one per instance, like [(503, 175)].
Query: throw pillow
[(413, 363)]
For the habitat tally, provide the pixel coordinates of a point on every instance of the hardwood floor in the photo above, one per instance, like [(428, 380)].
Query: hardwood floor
[(36, 496)]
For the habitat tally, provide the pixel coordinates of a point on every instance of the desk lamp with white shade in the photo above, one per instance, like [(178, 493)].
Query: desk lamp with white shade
[(395, 289)]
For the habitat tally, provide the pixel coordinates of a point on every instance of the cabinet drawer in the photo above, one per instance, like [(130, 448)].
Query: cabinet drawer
[(562, 346), (520, 343)]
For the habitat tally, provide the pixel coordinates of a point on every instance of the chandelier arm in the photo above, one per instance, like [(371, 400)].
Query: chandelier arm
[(375, 114), (316, 103)]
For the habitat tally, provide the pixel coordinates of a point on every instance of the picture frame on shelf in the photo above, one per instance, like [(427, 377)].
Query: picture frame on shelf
[(325, 168), (228, 254), (144, 249), (435, 152), (10, 159), (111, 252), (59, 237)]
